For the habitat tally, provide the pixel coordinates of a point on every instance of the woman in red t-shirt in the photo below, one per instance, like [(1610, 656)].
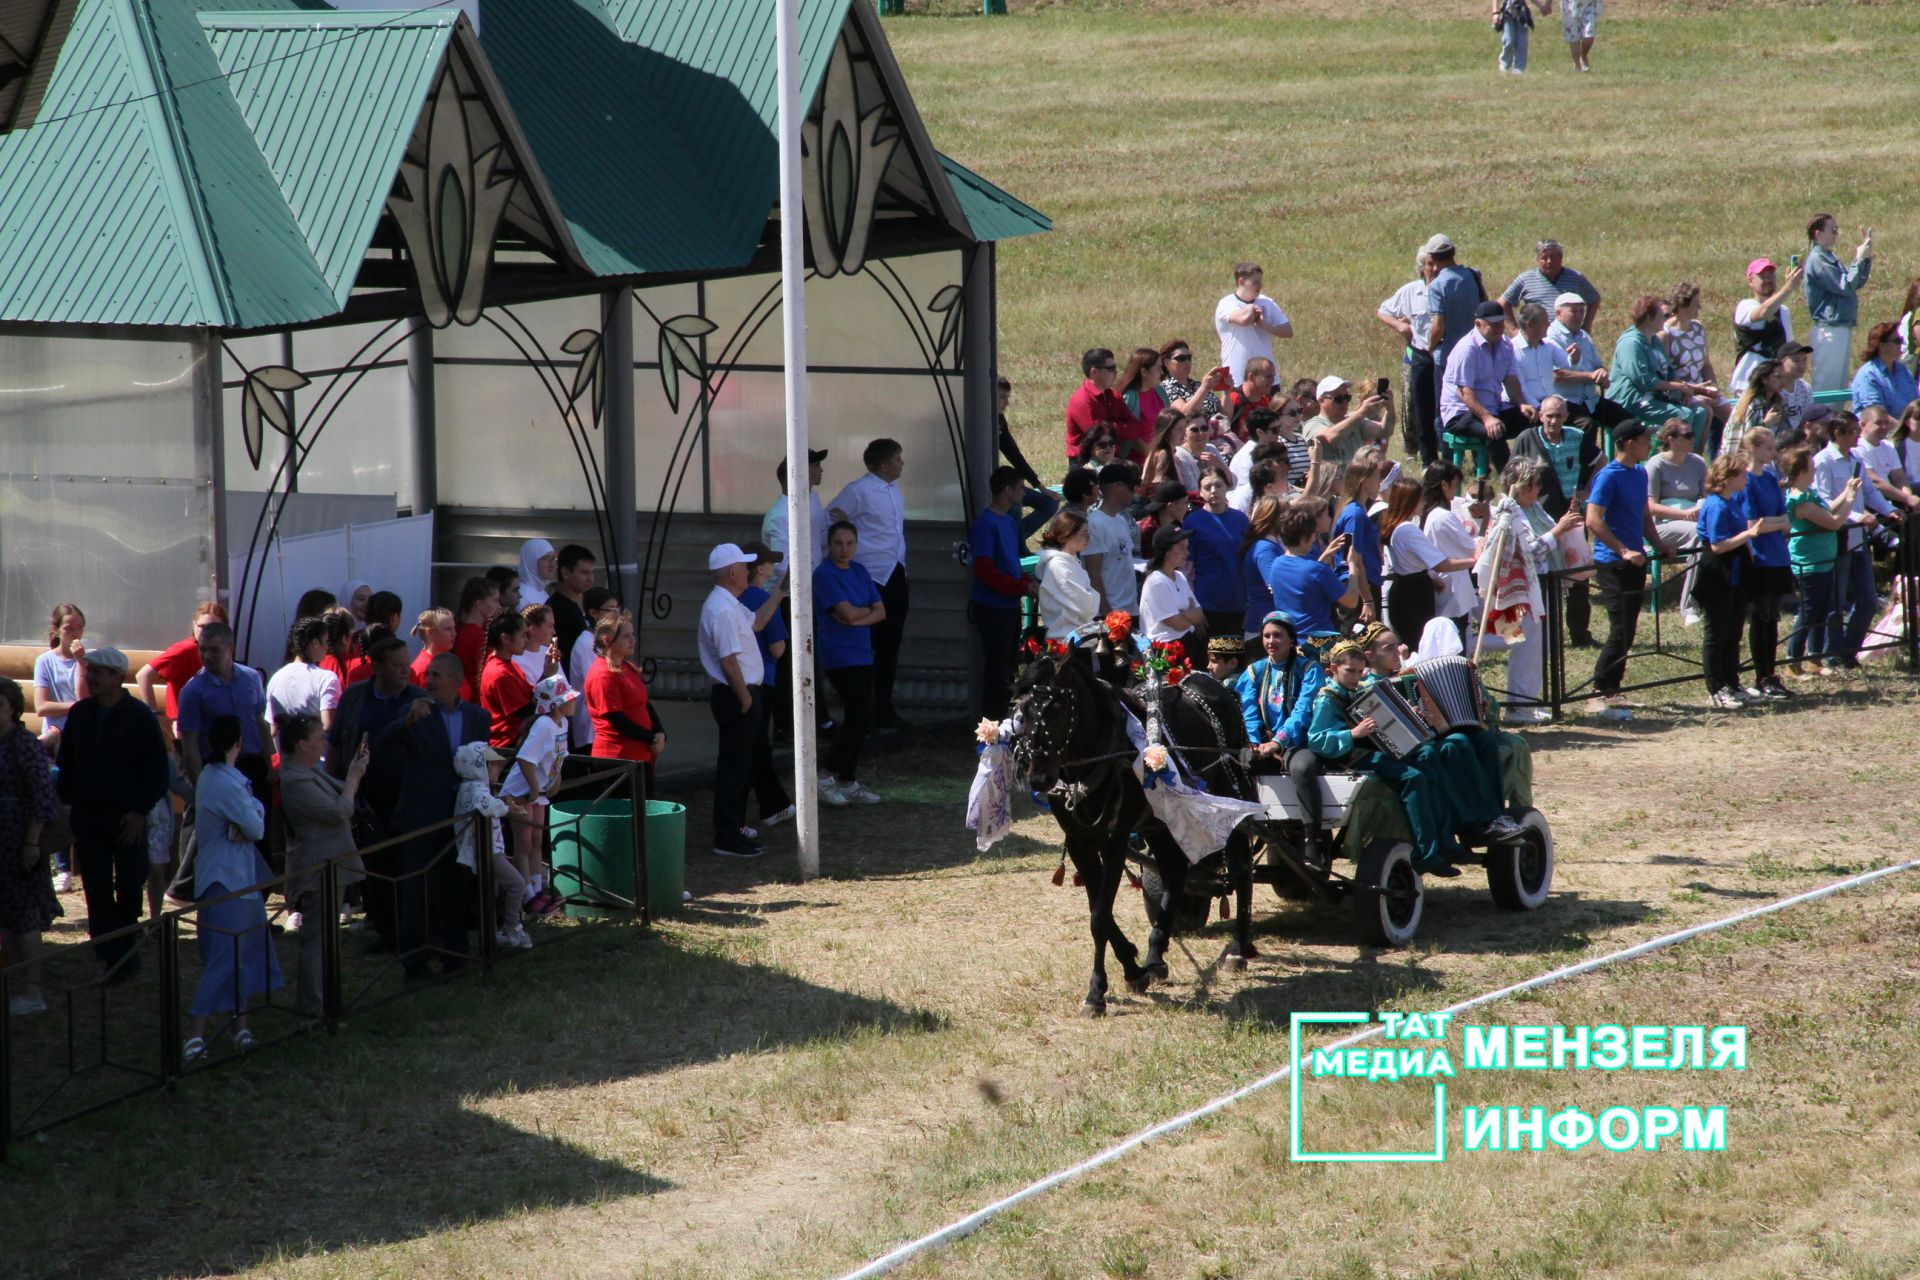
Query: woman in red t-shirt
[(178, 663), (479, 601), (505, 691), (435, 630), (624, 724)]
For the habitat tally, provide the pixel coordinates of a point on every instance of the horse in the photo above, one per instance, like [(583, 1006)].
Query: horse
[(1201, 720), (1073, 746)]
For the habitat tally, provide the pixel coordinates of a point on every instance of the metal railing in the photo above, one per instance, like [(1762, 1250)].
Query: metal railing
[(1558, 691), (107, 1037)]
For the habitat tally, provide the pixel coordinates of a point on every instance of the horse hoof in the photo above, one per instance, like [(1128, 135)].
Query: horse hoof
[(1139, 983), (1234, 964), (1157, 969), (1088, 1009)]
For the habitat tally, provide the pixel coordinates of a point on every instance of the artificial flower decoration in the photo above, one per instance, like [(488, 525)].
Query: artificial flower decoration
[(1155, 757), (1058, 648), (987, 732), (1032, 646), (1119, 625), (1166, 659)]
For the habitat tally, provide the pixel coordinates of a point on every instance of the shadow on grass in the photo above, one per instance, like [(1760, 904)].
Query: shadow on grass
[(918, 827), (386, 1133)]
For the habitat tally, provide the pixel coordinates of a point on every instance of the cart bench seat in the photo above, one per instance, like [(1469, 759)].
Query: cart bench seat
[(1275, 790)]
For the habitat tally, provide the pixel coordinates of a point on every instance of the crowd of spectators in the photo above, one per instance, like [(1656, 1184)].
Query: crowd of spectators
[(1233, 495)]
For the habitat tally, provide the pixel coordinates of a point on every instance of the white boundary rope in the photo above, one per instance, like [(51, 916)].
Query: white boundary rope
[(979, 1218)]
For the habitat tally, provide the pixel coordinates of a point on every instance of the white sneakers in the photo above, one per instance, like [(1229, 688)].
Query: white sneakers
[(841, 794), (775, 819), (513, 939), (62, 881)]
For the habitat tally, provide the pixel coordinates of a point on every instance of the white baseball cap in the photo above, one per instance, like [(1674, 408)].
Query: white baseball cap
[(1569, 300), (1329, 384), (725, 556)]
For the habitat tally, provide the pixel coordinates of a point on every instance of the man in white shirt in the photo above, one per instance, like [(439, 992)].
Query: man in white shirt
[(1111, 539), (1263, 428), (874, 506), (773, 525), (1833, 466), (1542, 365), (1248, 321), (731, 658), (1763, 322), (1410, 316)]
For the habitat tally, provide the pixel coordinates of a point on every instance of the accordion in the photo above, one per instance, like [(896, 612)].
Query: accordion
[(1398, 729)]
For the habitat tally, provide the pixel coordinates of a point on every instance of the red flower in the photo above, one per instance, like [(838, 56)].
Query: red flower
[(1032, 647), (1176, 652), (1058, 648), (1119, 625), (1174, 674)]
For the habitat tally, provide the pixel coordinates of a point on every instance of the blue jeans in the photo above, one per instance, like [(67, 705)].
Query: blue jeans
[(1040, 506), (1813, 621), (1513, 45), (1861, 602)]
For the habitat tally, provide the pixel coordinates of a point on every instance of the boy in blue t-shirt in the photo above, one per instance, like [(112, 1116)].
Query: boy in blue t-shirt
[(847, 607), (1618, 521)]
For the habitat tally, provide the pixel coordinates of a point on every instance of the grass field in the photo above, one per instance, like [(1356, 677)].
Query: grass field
[(790, 1079), (1168, 139)]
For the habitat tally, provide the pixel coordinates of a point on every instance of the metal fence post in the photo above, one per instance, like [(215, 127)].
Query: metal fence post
[(1556, 646), (483, 868), (169, 995), (6, 1067), (637, 788), (330, 945)]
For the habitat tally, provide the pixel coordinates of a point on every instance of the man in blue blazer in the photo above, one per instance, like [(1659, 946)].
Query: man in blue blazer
[(436, 890)]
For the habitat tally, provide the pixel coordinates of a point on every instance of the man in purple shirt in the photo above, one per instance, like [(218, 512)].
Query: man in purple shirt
[(1477, 372)]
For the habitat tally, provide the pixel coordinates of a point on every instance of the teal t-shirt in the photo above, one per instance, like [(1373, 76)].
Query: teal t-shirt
[(1810, 548)]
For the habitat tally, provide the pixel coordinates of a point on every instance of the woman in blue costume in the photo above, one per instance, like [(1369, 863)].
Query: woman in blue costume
[(1276, 700)]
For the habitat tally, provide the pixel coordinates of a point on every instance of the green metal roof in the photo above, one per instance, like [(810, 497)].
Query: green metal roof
[(993, 213), (225, 163), (331, 100), (140, 196)]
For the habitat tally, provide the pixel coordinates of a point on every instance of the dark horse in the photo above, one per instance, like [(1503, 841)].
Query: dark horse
[(1074, 747)]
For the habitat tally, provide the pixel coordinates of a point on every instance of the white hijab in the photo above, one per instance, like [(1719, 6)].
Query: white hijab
[(532, 589)]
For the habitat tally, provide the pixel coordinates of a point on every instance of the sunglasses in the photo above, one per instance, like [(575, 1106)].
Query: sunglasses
[(1108, 368), (1683, 435), (1342, 399), (1180, 357)]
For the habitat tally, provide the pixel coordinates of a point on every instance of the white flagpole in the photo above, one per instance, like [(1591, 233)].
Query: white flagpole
[(800, 531)]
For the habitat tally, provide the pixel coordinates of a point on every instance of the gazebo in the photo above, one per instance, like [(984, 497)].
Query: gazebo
[(291, 293)]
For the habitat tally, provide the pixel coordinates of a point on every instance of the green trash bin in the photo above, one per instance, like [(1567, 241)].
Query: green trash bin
[(596, 840)]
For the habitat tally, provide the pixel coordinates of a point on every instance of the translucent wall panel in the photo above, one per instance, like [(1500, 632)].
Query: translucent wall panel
[(103, 499), (134, 557), (96, 407), (844, 412), (501, 436), (881, 317), (353, 419), (358, 431)]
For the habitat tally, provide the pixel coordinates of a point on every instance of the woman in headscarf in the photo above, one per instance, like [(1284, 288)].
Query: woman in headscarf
[(354, 598), (538, 565)]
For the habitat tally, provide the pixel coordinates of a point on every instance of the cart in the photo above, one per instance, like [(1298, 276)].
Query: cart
[(1369, 857)]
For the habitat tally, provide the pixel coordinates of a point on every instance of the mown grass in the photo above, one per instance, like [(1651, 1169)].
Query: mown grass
[(789, 1079)]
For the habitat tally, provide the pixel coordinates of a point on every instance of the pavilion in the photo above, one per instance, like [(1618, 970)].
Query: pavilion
[(271, 270)]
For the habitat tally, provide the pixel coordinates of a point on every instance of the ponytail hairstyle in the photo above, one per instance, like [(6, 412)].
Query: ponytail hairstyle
[(502, 627), (429, 619)]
